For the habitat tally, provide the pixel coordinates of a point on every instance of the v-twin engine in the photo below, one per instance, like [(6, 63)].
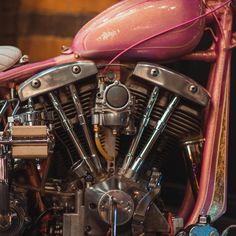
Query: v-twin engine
[(87, 148)]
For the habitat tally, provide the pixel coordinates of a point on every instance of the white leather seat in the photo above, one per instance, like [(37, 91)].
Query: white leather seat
[(9, 56)]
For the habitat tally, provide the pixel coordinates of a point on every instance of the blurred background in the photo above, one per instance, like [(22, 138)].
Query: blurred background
[(40, 27)]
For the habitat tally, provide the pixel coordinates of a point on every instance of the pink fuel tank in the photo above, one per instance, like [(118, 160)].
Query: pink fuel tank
[(130, 21)]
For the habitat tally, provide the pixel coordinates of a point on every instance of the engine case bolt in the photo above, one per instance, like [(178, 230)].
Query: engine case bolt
[(88, 178), (111, 76), (154, 72), (193, 88), (76, 69), (35, 83)]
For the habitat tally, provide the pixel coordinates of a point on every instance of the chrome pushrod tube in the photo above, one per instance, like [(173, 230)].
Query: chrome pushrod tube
[(5, 106), (146, 117), (84, 126), (68, 127), (161, 124)]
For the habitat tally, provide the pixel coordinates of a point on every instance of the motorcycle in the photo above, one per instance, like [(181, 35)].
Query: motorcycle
[(88, 138)]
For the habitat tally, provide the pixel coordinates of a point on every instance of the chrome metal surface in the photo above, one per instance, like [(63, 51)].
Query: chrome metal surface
[(141, 209), (107, 200), (80, 209), (78, 200), (84, 125), (192, 149), (3, 170), (5, 103), (73, 222), (24, 141), (32, 117), (118, 92), (54, 78), (155, 179), (146, 117), (135, 167), (177, 83), (116, 199), (178, 224), (110, 109), (114, 217), (17, 105), (80, 168), (72, 133), (35, 83), (97, 198)]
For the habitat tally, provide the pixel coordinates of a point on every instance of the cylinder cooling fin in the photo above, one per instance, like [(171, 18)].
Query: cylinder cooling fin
[(109, 139)]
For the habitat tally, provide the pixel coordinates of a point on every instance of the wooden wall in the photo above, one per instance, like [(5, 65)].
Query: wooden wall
[(40, 27), (9, 10)]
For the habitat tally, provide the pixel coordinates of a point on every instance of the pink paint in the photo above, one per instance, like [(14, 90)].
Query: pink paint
[(131, 21), (21, 72), (209, 12), (130, 29), (218, 86)]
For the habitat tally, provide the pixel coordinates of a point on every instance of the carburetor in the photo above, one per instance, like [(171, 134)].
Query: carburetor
[(113, 108)]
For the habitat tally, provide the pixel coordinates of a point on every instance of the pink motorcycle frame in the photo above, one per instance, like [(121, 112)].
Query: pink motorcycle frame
[(213, 180), (212, 196)]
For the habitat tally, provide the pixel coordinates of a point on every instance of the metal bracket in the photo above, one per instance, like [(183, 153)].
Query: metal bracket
[(141, 209), (56, 77)]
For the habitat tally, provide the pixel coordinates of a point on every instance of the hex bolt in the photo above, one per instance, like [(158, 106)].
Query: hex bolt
[(76, 69), (111, 76), (154, 72), (35, 83), (193, 88)]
